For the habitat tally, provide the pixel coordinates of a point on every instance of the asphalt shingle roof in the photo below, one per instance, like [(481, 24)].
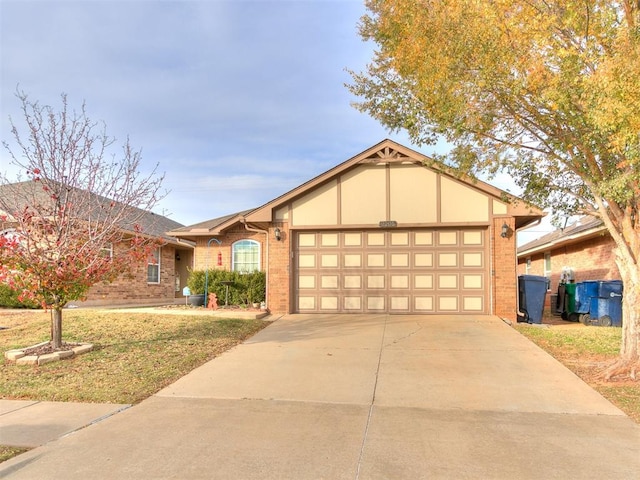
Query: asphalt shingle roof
[(16, 196), (584, 224)]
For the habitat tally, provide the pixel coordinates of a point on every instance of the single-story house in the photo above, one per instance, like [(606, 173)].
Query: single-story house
[(386, 231), (584, 248), (159, 282)]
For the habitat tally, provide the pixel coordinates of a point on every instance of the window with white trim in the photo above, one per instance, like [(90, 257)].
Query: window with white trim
[(153, 267), (12, 234), (245, 256), (107, 250)]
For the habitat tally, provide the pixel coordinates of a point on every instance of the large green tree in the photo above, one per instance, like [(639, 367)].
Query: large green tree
[(546, 90)]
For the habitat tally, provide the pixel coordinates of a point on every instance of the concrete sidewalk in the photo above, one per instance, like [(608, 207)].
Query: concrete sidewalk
[(30, 424), (359, 397)]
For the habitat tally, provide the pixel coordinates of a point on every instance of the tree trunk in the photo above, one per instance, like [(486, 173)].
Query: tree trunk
[(628, 364), (56, 327)]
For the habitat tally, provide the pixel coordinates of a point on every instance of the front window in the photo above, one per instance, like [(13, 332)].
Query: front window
[(153, 267), (107, 250), (10, 236), (246, 256)]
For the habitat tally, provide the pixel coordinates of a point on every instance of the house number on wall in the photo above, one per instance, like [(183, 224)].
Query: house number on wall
[(387, 224)]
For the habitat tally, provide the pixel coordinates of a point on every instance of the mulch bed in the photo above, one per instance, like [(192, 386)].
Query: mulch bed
[(48, 348)]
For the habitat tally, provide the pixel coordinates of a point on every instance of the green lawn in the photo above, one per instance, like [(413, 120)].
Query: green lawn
[(135, 355)]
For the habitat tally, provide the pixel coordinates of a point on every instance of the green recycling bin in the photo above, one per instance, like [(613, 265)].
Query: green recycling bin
[(570, 312)]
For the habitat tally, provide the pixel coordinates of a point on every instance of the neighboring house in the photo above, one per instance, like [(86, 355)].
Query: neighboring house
[(158, 282), (584, 247), (387, 231)]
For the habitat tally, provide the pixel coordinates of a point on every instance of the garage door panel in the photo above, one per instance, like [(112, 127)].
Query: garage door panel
[(447, 259), (330, 282), (352, 303), (472, 304), (329, 303), (424, 303), (402, 271), (400, 239), (376, 303), (353, 282), (376, 281)]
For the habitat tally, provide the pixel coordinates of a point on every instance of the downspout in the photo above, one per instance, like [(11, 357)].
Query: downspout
[(266, 257)]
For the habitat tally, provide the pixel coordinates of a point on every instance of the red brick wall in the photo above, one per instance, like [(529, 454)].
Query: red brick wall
[(133, 288), (278, 256), (503, 264), (591, 259), (207, 257), (279, 300)]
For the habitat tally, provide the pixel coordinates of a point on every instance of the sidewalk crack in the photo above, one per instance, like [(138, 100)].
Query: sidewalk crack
[(373, 399)]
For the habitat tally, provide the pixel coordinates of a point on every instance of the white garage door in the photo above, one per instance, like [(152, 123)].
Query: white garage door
[(399, 271)]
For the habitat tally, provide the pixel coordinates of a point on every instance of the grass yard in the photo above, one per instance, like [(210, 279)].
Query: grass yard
[(135, 354), (585, 351)]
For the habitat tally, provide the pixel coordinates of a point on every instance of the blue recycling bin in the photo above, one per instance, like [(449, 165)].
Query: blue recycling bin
[(585, 291), (532, 290), (610, 288), (606, 311), (606, 308)]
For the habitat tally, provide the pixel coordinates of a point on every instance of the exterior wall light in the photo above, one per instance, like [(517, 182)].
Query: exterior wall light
[(278, 234), (505, 230)]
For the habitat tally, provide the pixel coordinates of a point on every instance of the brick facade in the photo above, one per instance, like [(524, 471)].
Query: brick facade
[(279, 276), (133, 288), (207, 256), (590, 259), (503, 269)]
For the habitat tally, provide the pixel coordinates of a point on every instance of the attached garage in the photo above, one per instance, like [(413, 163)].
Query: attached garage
[(399, 271), (388, 231)]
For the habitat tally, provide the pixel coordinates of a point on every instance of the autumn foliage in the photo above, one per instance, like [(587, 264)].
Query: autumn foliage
[(78, 218), (544, 90)]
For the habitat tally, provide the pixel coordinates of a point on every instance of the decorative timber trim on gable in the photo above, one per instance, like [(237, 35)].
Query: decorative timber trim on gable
[(389, 153)]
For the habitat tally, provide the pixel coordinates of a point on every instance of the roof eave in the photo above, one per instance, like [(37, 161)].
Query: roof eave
[(568, 240), (207, 232)]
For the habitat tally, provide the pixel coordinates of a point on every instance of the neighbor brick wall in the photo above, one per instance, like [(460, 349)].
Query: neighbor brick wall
[(503, 264), (591, 259), (133, 288)]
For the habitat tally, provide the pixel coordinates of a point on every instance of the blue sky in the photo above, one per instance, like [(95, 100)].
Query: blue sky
[(238, 101)]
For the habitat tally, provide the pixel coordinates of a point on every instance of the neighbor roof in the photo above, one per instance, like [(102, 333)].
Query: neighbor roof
[(584, 228), (15, 196)]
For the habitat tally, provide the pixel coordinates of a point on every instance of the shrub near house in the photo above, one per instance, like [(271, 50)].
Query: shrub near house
[(245, 288), (10, 299)]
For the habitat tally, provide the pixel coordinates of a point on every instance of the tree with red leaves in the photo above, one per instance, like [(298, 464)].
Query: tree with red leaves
[(78, 218)]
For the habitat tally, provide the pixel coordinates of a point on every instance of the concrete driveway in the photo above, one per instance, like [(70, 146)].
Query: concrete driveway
[(360, 397)]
